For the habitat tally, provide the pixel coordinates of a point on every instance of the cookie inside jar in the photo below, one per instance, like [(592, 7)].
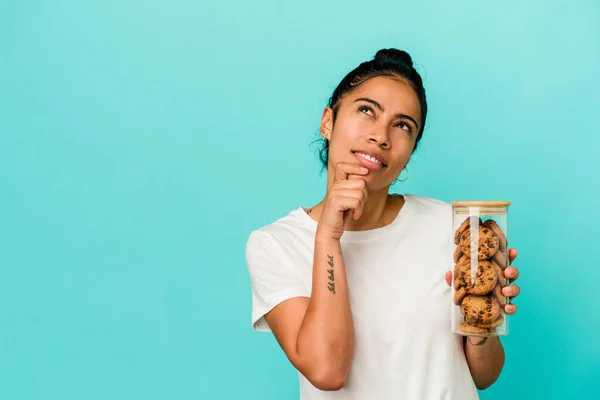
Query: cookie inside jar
[(480, 258)]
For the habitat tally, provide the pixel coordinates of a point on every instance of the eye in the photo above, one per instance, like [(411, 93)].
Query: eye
[(405, 126), (365, 109)]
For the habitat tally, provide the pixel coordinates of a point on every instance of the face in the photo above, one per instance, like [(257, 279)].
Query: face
[(376, 126)]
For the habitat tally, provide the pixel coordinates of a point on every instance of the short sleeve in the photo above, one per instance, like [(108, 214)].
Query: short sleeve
[(273, 278)]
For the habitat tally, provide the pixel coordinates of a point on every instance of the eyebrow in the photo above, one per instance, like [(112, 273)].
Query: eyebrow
[(380, 108)]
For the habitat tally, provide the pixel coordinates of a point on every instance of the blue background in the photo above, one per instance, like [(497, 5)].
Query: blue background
[(142, 141)]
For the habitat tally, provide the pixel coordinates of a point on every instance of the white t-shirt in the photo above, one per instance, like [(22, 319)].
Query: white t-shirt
[(404, 348)]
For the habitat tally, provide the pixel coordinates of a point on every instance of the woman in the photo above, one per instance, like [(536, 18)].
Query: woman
[(353, 288)]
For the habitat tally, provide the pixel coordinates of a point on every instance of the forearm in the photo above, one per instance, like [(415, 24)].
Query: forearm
[(485, 360), (326, 337)]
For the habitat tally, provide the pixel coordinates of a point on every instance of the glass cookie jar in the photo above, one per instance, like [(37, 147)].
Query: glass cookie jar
[(480, 245)]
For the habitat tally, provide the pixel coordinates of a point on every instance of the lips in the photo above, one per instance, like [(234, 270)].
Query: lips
[(371, 156)]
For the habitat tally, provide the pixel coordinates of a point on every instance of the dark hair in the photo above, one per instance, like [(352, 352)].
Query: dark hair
[(387, 62)]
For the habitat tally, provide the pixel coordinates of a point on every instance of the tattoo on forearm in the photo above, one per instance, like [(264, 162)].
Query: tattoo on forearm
[(331, 283), (479, 343)]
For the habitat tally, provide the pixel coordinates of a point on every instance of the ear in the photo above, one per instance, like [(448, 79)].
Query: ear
[(327, 123)]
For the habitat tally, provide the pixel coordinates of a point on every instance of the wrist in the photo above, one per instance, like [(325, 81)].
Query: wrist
[(324, 239), (477, 340)]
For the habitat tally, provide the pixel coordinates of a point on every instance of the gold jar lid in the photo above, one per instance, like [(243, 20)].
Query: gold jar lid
[(484, 207), (477, 203)]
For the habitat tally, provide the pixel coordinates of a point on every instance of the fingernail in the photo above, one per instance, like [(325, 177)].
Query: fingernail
[(363, 169)]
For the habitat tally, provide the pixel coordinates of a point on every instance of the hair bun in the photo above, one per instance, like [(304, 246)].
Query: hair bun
[(394, 55)]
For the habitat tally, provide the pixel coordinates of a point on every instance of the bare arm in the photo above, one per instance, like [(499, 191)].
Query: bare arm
[(317, 334), (485, 357)]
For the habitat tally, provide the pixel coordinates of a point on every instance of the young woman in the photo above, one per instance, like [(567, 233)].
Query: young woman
[(356, 288)]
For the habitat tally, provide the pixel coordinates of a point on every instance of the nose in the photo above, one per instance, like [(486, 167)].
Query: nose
[(380, 138)]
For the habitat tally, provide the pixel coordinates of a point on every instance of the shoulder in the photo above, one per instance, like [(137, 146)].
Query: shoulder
[(429, 206), (277, 253), (429, 214), (281, 232), (431, 219)]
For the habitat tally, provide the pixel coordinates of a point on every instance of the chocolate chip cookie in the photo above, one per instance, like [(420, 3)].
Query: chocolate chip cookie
[(487, 243), (500, 259), (485, 277), (480, 309), (459, 295), (491, 224), (463, 227), (462, 274), (494, 324), (457, 254), (473, 329), (498, 295), (499, 273), (485, 280)]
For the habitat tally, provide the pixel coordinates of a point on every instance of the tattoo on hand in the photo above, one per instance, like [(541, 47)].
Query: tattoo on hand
[(479, 343), (331, 283)]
